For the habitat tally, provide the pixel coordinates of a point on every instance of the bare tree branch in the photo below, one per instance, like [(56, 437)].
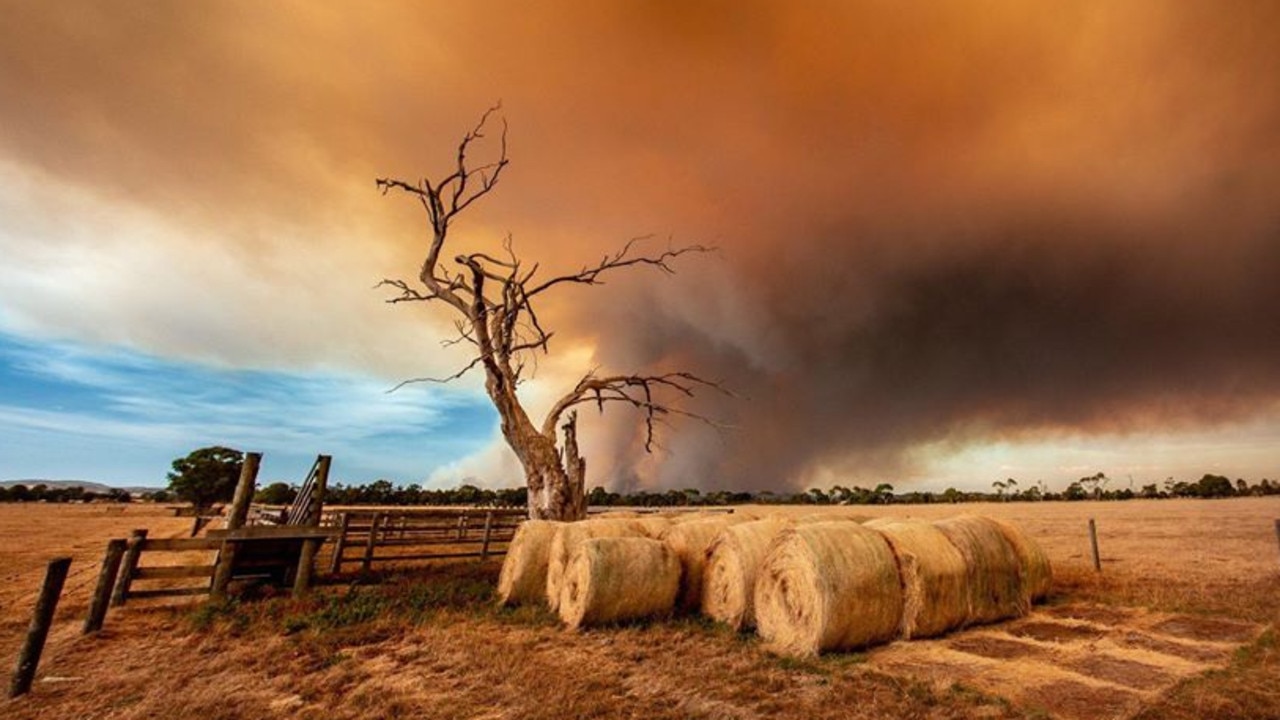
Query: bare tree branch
[(636, 391), (451, 378), (619, 260)]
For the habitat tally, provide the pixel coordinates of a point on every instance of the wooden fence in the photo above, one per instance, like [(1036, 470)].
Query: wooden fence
[(132, 570), (400, 535)]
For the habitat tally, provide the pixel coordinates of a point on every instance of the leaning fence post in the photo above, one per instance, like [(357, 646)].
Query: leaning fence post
[(222, 569), (1093, 545), (239, 512), (106, 581), (128, 567), (54, 576)]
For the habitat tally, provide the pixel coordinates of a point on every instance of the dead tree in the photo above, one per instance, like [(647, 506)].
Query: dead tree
[(494, 300)]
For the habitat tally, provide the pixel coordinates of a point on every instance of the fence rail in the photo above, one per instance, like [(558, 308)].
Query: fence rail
[(408, 535)]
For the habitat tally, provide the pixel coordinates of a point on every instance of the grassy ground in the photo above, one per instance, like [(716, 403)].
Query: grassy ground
[(431, 643)]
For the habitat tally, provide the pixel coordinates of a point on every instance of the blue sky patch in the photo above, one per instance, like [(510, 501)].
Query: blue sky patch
[(73, 411)]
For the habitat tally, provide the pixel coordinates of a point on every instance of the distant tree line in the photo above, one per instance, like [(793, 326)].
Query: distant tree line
[(384, 492), (1093, 487), (44, 493)]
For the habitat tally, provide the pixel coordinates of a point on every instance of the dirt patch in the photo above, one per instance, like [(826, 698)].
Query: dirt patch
[(995, 647), (1207, 628), (1120, 671), (1078, 701), (1164, 646), (1092, 613), (1055, 632)]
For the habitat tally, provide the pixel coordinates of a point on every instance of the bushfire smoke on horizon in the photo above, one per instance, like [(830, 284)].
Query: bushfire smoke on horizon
[(939, 227)]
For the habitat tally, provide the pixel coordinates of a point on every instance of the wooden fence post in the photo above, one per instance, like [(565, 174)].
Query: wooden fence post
[(54, 576), (371, 542), (244, 491), (1278, 530), (488, 524), (128, 567), (106, 581), (1093, 545), (222, 570), (339, 545)]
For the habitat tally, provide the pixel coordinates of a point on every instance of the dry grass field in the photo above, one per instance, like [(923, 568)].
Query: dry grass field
[(1180, 624)]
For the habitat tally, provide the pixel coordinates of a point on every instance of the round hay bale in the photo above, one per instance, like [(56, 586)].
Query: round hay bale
[(1037, 575), (523, 579), (567, 538), (729, 578), (828, 586), (933, 573), (690, 541), (618, 578), (994, 571)]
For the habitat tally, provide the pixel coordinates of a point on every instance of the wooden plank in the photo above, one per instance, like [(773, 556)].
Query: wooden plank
[(181, 544), (170, 592), (173, 571), (283, 532), (436, 556)]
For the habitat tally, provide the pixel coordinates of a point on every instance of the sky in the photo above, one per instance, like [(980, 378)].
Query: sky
[(956, 242)]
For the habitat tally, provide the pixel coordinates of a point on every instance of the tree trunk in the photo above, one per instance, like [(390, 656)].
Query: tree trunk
[(554, 494)]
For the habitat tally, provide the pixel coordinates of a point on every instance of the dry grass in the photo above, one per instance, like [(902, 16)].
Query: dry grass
[(435, 644)]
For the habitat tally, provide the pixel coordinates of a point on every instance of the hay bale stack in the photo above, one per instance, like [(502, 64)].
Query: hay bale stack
[(567, 539), (690, 541), (614, 514), (994, 575), (1037, 575), (523, 579), (618, 578), (828, 586), (933, 573), (729, 578)]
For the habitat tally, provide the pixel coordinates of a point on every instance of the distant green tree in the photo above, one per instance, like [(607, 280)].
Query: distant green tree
[(1214, 486), (206, 476), (277, 493)]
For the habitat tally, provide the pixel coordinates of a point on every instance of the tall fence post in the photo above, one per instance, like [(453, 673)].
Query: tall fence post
[(1277, 530), (244, 491), (106, 582), (54, 576), (128, 567), (1093, 545)]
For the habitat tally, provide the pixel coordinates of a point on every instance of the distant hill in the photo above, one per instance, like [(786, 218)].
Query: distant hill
[(86, 485)]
